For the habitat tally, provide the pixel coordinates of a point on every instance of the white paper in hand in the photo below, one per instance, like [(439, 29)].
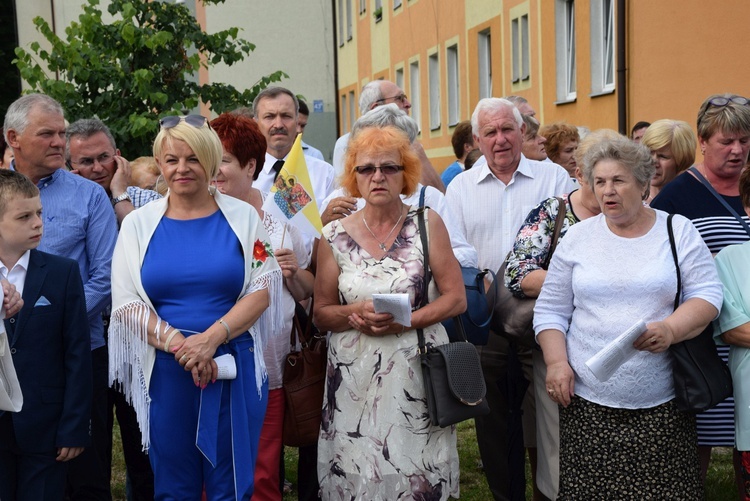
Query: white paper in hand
[(398, 305), (227, 366), (611, 357)]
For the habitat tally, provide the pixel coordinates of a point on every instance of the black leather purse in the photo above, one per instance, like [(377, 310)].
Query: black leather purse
[(453, 378), (701, 378)]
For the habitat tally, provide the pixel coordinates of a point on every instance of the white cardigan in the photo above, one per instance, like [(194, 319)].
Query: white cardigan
[(131, 358)]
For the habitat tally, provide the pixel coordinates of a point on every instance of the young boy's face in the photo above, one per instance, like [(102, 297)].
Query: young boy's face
[(21, 225)]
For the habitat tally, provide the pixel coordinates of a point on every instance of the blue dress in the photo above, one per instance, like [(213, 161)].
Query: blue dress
[(193, 273)]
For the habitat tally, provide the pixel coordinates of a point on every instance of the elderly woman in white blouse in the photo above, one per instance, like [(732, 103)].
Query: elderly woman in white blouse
[(623, 437)]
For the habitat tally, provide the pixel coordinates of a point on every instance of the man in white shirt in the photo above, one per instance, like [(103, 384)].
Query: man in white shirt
[(275, 110), (490, 202)]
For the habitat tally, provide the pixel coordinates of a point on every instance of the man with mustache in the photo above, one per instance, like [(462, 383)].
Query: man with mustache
[(276, 112)]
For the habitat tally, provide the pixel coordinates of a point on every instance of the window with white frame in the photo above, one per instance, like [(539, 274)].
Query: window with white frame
[(396, 4), (378, 4), (602, 46), (344, 111), (400, 78), (362, 6), (414, 93), (519, 33), (451, 62), (352, 109), (565, 49), (434, 75), (484, 49), (348, 19)]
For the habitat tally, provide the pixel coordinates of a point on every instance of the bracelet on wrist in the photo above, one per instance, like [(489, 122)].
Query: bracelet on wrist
[(169, 339), (229, 332)]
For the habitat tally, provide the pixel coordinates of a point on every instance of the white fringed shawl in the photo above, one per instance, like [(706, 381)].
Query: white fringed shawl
[(131, 359)]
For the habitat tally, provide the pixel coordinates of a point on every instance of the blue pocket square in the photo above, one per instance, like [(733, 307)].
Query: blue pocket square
[(42, 301)]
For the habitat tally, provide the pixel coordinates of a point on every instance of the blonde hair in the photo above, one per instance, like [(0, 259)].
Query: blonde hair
[(204, 142), (677, 135), (375, 140)]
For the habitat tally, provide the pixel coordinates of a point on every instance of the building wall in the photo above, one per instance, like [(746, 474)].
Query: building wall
[(676, 56)]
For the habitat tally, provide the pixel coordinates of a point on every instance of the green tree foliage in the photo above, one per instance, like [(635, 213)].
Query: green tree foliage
[(142, 66)]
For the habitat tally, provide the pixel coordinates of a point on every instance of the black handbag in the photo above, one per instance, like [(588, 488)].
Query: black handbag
[(475, 321), (514, 317), (453, 378), (701, 378)]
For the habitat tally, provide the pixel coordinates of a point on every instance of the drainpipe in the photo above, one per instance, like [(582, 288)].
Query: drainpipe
[(622, 90), (336, 69)]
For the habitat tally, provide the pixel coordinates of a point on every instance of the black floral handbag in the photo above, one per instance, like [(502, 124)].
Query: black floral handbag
[(453, 378)]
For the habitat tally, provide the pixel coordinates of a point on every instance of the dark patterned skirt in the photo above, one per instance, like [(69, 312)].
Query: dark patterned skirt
[(609, 453)]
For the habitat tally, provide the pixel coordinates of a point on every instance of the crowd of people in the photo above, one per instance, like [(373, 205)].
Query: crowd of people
[(162, 292)]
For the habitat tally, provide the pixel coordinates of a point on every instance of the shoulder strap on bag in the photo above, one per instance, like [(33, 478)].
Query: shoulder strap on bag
[(562, 213), (421, 196), (425, 266), (718, 197), (673, 245)]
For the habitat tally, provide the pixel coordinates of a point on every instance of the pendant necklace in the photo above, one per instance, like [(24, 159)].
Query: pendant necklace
[(382, 244)]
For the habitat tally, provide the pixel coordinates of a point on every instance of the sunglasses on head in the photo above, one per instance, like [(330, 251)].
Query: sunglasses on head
[(723, 101), (196, 121)]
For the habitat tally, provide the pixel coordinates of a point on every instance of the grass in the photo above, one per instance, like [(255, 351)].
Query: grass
[(719, 483)]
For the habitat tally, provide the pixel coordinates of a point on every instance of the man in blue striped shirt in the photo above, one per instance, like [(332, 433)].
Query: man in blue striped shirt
[(91, 152), (79, 224)]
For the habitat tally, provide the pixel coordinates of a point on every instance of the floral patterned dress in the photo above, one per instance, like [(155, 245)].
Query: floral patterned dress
[(376, 441)]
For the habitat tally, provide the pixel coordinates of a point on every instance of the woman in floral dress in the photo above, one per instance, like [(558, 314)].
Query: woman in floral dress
[(376, 440)]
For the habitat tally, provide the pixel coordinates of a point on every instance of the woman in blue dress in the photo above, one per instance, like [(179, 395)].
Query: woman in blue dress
[(193, 275)]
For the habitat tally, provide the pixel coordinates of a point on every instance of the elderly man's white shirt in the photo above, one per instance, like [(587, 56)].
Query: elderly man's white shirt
[(489, 212), (435, 200), (321, 176)]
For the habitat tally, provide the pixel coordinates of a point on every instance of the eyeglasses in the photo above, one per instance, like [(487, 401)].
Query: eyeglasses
[(105, 160), (723, 101), (387, 170), (401, 98), (196, 121)]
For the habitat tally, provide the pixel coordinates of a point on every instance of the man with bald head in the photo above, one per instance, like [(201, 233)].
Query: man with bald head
[(490, 202), (378, 93)]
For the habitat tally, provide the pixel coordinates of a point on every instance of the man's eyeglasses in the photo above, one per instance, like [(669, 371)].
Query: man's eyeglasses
[(723, 101), (387, 170), (105, 160), (196, 121), (401, 98)]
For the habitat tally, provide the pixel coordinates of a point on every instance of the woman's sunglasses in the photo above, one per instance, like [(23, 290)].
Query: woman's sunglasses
[(196, 121)]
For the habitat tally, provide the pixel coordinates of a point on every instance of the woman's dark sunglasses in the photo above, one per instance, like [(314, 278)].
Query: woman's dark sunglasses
[(196, 121), (369, 170)]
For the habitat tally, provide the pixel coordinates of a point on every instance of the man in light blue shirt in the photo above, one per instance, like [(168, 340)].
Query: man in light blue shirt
[(78, 224)]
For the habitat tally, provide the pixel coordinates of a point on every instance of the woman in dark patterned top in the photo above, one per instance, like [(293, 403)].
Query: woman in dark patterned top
[(724, 138)]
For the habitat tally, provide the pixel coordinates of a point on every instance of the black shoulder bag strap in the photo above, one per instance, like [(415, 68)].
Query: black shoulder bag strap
[(673, 245), (562, 213), (718, 197), (425, 266)]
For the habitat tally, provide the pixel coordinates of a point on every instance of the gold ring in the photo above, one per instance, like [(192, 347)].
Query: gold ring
[(183, 358)]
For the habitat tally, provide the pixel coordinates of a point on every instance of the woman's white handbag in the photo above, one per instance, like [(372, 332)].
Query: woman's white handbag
[(11, 398)]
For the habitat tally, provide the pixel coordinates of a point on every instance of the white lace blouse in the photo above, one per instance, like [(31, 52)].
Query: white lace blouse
[(599, 284)]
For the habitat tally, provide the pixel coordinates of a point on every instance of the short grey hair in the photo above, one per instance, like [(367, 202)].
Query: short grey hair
[(517, 100), (272, 93), (633, 156), (17, 116), (84, 129), (383, 116), (493, 103), (371, 94)]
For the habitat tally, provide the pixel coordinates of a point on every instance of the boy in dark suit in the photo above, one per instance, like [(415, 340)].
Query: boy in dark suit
[(50, 345)]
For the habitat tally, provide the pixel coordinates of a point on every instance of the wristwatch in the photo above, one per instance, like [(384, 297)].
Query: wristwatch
[(119, 199)]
